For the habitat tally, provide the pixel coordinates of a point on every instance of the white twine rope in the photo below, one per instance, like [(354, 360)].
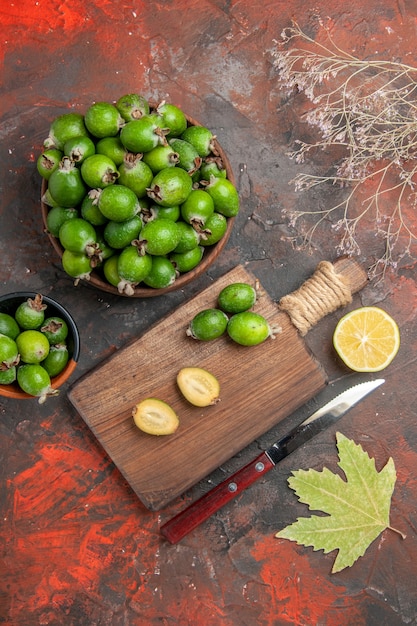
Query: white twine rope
[(320, 295)]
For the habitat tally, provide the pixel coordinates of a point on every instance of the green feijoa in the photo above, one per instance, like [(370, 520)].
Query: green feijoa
[(57, 216), (187, 261), (48, 199), (156, 211), (248, 328), (110, 270), (120, 234), (132, 268), (66, 185), (8, 325), (135, 174), (104, 250), (197, 208), (207, 325), (30, 314), (63, 128), (34, 380), (55, 329), (189, 159), (8, 376), (173, 118), (225, 196), (112, 148), (236, 297), (161, 157), (78, 266), (214, 229), (170, 186), (79, 148), (89, 210), (143, 134), (132, 106), (103, 119), (33, 346), (99, 171), (159, 237), (118, 203), (77, 235), (48, 161), (9, 352), (212, 167), (201, 138), (189, 240), (162, 274), (56, 360)]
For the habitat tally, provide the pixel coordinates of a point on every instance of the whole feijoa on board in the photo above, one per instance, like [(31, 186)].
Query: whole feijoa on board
[(236, 297), (207, 325), (248, 328)]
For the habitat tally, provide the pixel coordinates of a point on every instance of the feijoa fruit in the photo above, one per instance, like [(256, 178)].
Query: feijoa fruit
[(155, 417), (170, 186), (34, 380), (207, 325), (103, 119), (198, 386), (237, 297), (248, 328), (66, 185), (30, 314)]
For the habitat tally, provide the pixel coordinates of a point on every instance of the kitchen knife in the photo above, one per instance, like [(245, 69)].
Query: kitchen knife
[(200, 510)]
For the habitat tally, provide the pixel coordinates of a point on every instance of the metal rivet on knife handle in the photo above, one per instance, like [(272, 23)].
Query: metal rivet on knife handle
[(200, 510)]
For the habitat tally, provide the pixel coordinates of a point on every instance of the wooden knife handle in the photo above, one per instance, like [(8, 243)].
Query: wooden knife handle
[(352, 271), (200, 510)]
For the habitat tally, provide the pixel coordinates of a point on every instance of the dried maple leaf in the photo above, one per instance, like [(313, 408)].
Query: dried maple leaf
[(357, 509)]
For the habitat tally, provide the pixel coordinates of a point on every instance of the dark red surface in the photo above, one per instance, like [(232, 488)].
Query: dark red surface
[(77, 547)]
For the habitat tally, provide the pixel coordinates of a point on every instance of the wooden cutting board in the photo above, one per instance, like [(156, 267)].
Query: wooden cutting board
[(260, 386)]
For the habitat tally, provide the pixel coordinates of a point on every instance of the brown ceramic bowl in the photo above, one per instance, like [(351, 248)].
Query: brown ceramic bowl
[(142, 291), (8, 304)]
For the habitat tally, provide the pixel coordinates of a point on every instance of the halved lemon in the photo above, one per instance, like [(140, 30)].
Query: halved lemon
[(367, 339)]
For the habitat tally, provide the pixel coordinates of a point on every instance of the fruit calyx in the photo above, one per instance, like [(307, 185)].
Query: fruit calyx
[(155, 193), (36, 303), (203, 233), (6, 365), (47, 393), (217, 160), (94, 253), (131, 158), (198, 161), (52, 327), (110, 176), (162, 133), (94, 195), (127, 287), (140, 245), (66, 164)]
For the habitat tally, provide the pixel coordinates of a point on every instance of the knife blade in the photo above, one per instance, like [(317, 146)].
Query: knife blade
[(187, 520)]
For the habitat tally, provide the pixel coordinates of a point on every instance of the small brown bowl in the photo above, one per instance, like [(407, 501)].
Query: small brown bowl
[(143, 291), (8, 304)]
